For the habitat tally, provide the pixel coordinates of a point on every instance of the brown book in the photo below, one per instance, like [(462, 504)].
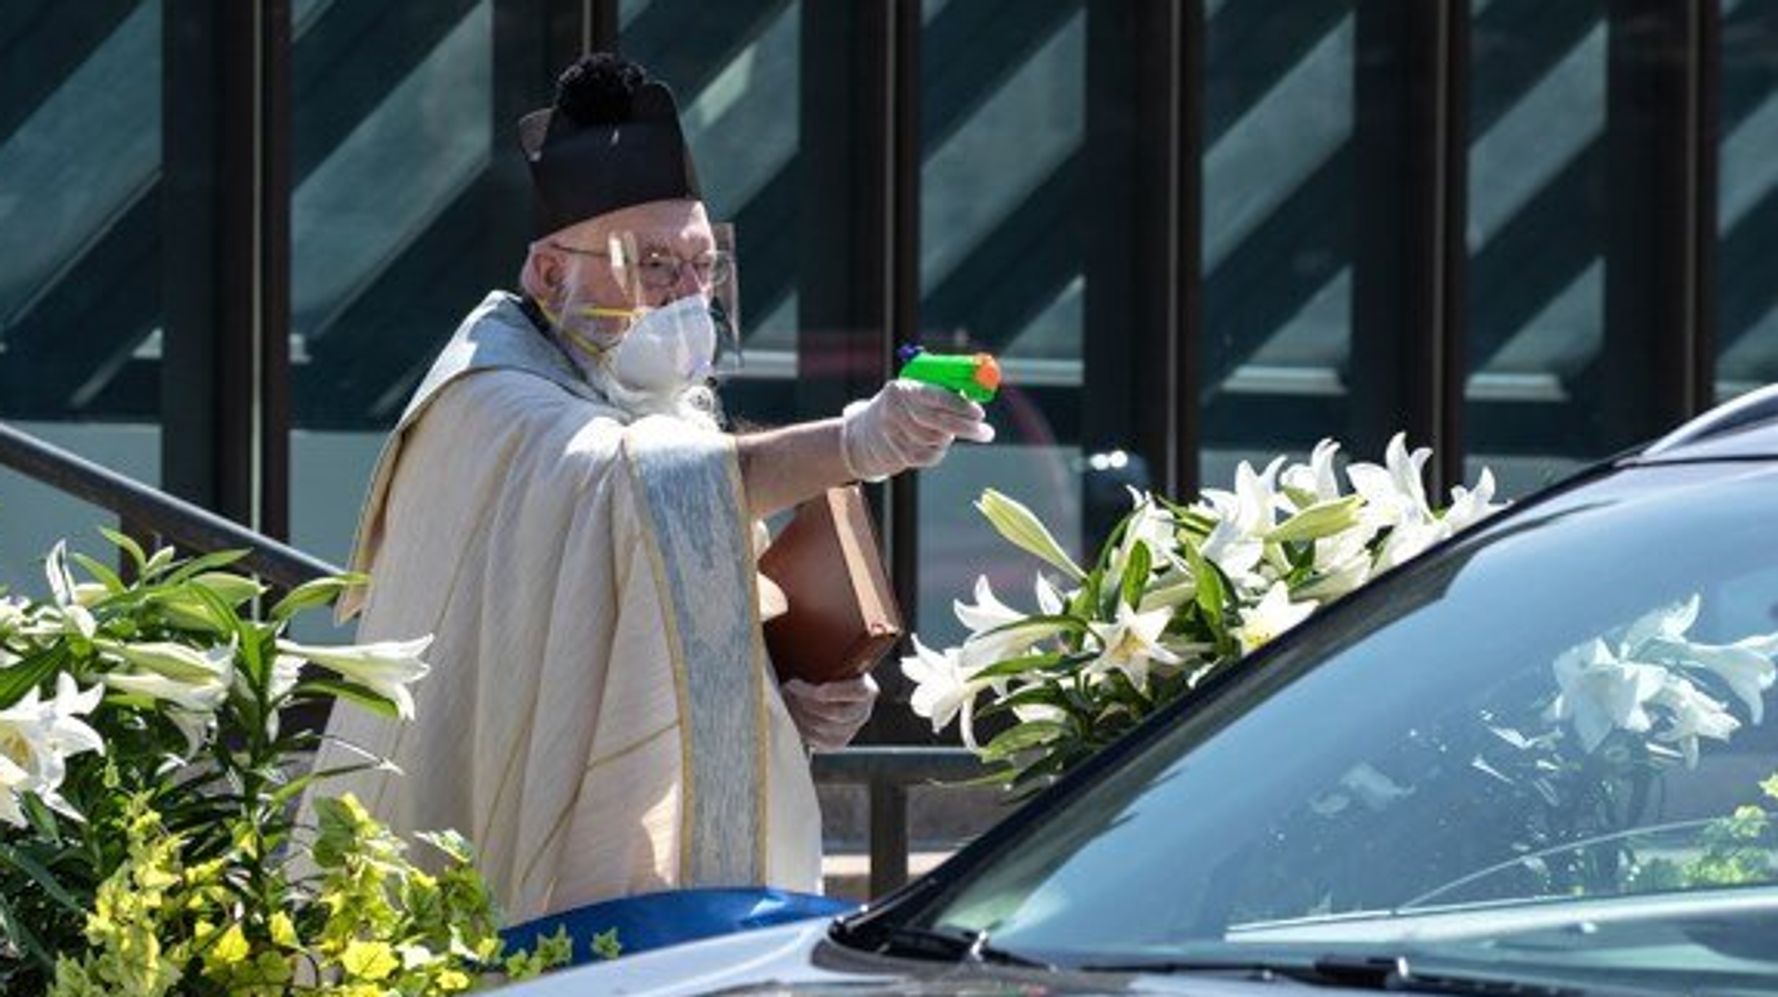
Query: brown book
[(841, 616)]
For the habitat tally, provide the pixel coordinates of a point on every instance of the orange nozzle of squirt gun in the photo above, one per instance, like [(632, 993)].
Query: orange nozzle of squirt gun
[(975, 376)]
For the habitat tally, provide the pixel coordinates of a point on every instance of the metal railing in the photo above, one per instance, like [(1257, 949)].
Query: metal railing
[(886, 772), (185, 525)]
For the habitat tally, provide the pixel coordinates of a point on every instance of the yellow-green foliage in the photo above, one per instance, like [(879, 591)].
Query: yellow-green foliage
[(374, 926)]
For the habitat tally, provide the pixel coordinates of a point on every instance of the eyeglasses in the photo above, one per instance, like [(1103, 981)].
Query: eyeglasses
[(659, 271)]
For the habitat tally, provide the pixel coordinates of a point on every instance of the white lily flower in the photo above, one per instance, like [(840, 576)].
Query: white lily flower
[(1169, 591), (193, 696), (286, 669), (1150, 525), (1745, 666), (1050, 601), (1395, 493), (12, 614), (1342, 564), (1471, 506), (72, 736), (174, 660), (1601, 693), (1317, 477), (196, 727), (384, 667), (14, 783), (983, 646), (89, 594), (1235, 552), (1243, 518), (77, 620), (1271, 616), (1131, 644), (1408, 539), (1694, 715), (37, 738), (943, 688), (55, 571), (1666, 623), (1372, 787), (988, 611), (1022, 528), (1038, 712)]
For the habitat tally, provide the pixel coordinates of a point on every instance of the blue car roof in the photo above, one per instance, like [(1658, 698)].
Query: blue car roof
[(1744, 428)]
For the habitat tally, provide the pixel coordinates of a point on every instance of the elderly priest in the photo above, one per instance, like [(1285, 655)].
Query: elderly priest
[(561, 505)]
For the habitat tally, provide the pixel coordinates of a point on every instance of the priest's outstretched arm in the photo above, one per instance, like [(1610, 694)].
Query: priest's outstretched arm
[(905, 425)]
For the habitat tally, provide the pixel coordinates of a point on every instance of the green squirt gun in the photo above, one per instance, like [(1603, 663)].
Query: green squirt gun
[(975, 376)]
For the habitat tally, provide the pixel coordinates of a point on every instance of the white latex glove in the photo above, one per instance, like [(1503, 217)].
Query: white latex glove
[(831, 713), (907, 424)]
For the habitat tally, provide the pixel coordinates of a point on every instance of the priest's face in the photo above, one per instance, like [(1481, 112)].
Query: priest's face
[(642, 256)]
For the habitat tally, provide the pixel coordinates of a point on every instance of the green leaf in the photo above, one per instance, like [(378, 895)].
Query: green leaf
[(1323, 519), (316, 592), (209, 562), (1136, 574), (226, 615), (1035, 775), (1301, 498), (1063, 623), (231, 588), (19, 932), (1024, 530), (1211, 596), (128, 545), (1124, 691), (290, 791), (29, 673), (1170, 595), (101, 574), (349, 691), (157, 563), (1015, 667), (41, 876), (1035, 695), (1113, 541), (1030, 734)]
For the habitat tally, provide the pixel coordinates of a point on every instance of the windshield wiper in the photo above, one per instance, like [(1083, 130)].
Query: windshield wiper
[(1355, 973), (934, 943)]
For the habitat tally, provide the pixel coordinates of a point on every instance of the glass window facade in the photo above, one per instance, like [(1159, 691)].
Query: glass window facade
[(1157, 213), (1001, 254), (80, 225), (1277, 229), (1747, 207), (1536, 310)]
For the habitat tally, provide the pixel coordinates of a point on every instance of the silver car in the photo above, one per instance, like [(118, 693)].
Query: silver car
[(1535, 760)]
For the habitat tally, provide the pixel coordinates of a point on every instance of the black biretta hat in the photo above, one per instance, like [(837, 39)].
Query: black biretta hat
[(611, 140)]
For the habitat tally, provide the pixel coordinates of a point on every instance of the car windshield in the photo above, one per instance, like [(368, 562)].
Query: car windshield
[(1543, 746)]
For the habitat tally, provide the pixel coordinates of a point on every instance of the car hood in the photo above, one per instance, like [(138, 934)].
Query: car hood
[(799, 959)]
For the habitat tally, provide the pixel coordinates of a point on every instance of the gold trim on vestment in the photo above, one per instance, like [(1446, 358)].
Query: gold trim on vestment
[(675, 651), (762, 716)]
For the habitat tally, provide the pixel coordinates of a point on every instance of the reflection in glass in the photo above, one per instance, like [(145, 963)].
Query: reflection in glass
[(1276, 250), (1747, 206), (999, 151), (80, 159), (1605, 745), (1537, 269)]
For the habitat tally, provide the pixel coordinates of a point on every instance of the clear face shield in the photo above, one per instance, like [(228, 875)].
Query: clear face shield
[(655, 319)]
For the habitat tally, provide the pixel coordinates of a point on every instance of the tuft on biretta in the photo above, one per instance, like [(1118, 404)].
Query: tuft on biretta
[(611, 140)]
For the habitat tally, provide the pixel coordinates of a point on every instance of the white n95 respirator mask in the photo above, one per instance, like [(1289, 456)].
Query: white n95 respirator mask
[(668, 348)]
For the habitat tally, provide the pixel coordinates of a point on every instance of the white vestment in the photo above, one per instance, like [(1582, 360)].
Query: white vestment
[(601, 718)]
